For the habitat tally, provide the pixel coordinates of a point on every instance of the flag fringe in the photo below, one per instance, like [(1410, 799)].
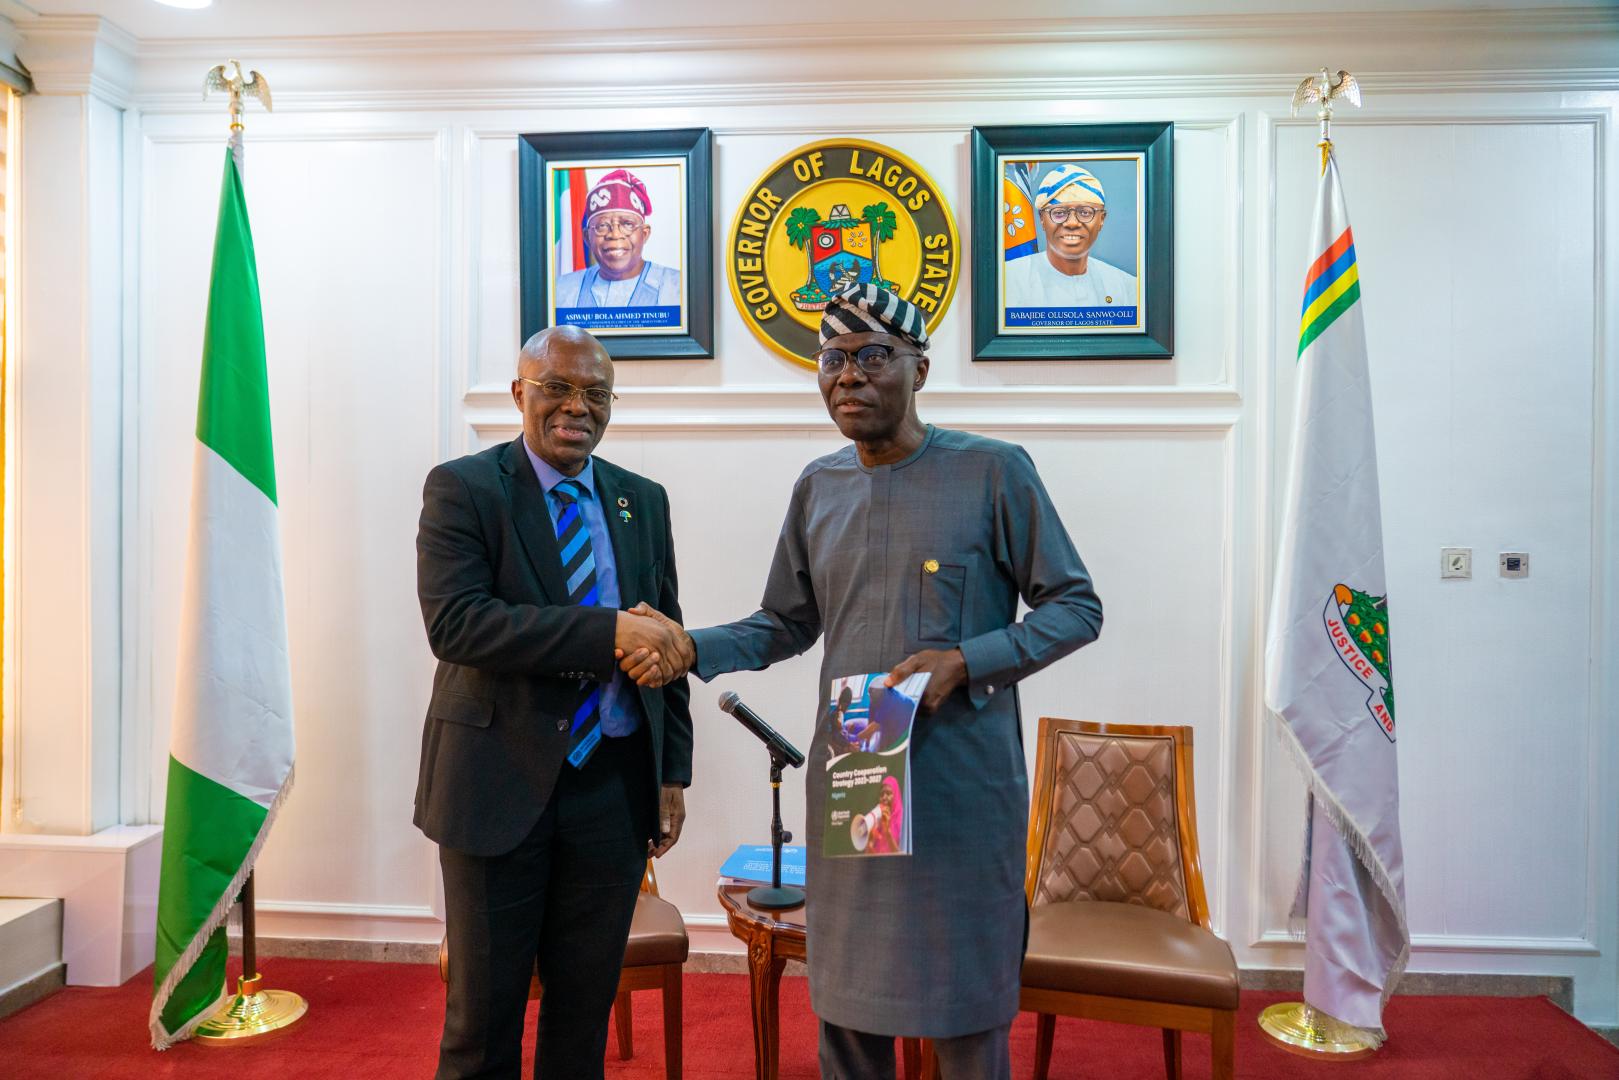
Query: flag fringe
[(161, 1038), (1355, 836)]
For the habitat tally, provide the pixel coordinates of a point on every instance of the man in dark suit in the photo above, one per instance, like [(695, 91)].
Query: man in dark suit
[(547, 776)]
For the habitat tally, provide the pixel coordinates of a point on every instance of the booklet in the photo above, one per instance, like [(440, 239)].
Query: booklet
[(751, 862), (868, 779)]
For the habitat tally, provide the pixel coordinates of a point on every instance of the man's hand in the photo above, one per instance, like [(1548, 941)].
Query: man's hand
[(947, 667), (654, 664), (671, 816), (651, 648)]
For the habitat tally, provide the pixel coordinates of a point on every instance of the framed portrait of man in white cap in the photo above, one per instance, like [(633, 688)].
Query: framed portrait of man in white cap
[(1073, 242), (614, 239)]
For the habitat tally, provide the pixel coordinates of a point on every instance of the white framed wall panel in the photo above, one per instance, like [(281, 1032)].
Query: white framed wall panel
[(350, 243), (1484, 332), (729, 491)]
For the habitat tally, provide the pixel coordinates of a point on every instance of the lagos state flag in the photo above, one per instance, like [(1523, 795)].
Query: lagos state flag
[(1328, 661), (230, 747), (1019, 235)]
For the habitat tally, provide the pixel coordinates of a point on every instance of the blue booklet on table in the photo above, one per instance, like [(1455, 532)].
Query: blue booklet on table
[(751, 862)]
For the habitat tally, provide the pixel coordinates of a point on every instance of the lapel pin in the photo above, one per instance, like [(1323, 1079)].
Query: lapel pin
[(931, 566), (624, 515), (622, 501)]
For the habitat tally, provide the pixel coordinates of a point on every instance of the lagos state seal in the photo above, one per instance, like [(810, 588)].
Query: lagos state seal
[(1357, 623), (833, 214)]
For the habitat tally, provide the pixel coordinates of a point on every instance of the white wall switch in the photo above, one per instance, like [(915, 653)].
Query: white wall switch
[(1455, 562), (1514, 564)]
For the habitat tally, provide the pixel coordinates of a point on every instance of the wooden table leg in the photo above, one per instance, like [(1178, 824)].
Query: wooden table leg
[(764, 981)]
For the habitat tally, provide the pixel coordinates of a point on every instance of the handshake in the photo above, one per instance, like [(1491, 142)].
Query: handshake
[(651, 648)]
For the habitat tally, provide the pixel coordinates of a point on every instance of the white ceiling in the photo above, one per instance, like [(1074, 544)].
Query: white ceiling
[(299, 18)]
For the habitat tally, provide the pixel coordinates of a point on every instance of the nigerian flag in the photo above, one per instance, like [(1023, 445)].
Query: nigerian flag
[(230, 749)]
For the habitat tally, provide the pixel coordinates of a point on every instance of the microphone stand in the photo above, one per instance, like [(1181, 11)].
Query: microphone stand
[(776, 896)]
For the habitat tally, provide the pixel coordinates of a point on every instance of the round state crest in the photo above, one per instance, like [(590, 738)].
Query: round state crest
[(830, 215)]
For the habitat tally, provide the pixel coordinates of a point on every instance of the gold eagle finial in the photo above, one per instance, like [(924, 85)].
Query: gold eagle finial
[(228, 78), (1326, 87)]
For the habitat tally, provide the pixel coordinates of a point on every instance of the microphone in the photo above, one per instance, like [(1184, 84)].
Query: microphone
[(766, 734)]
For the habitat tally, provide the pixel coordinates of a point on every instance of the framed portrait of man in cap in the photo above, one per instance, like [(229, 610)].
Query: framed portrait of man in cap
[(614, 239), (1073, 242)]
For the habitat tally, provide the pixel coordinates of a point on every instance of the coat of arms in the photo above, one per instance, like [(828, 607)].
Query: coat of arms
[(831, 215), (1357, 623), (842, 250)]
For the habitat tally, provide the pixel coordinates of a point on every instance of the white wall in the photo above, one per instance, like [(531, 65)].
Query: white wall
[(386, 229)]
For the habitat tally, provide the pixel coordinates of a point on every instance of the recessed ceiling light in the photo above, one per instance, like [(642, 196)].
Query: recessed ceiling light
[(188, 4)]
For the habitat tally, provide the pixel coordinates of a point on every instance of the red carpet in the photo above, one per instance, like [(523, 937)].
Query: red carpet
[(382, 1020)]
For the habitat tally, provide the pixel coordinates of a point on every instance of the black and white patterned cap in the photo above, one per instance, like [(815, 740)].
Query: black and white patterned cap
[(863, 309)]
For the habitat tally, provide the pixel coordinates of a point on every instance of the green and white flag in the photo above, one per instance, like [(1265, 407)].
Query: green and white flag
[(1328, 658), (230, 749)]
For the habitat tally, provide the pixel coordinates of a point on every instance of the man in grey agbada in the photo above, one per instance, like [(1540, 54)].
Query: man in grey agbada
[(910, 550)]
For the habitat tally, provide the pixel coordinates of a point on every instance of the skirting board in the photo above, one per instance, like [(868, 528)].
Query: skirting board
[(1559, 988), (29, 991)]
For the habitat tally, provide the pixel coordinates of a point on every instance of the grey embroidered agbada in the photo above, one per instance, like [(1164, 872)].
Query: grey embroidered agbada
[(928, 944)]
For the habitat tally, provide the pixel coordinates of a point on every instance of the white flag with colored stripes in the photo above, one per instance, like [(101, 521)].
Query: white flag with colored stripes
[(1328, 661), (230, 749)]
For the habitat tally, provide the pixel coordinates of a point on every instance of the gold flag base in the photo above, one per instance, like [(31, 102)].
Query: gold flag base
[(252, 1012), (1299, 1029)]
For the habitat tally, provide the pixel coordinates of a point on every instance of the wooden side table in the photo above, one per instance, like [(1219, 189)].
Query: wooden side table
[(773, 938)]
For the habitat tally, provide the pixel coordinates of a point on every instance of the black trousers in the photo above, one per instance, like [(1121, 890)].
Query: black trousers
[(566, 894)]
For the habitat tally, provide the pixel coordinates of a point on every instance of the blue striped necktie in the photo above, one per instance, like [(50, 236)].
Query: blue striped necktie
[(579, 570)]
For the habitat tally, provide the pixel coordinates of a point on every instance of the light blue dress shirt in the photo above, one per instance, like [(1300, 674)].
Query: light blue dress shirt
[(620, 709)]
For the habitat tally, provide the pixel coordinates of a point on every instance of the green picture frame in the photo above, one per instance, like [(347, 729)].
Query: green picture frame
[(1028, 301)]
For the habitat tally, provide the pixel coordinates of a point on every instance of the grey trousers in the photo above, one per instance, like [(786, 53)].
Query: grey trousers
[(855, 1055)]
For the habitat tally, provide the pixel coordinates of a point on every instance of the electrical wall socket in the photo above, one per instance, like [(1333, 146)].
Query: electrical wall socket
[(1514, 564), (1455, 562)]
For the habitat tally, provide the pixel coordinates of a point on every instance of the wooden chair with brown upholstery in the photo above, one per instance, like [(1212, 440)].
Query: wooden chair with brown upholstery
[(654, 957), (1118, 917)]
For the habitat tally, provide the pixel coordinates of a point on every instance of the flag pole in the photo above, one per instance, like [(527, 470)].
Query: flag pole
[(252, 1010), (1297, 1026), (1325, 117)]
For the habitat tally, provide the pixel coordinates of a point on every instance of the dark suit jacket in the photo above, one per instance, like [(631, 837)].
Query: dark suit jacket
[(511, 650)]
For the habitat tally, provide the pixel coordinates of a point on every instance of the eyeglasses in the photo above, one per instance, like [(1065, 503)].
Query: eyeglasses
[(870, 358), (1060, 214), (595, 396), (609, 226)]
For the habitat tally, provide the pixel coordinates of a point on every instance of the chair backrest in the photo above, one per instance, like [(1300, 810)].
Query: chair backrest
[(1115, 818)]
